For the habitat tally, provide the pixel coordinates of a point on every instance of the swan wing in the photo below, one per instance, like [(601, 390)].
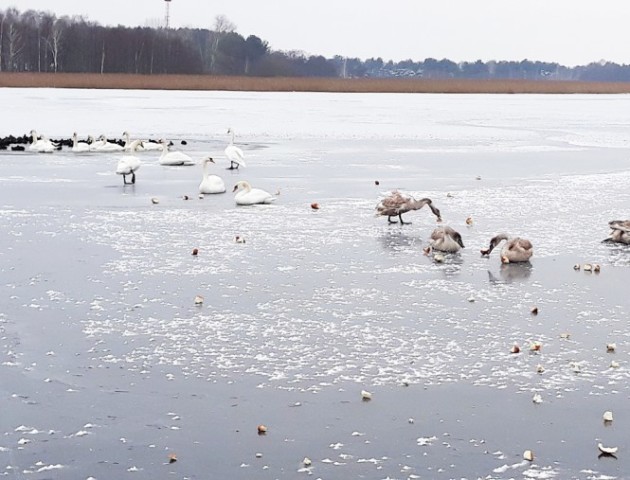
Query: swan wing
[(127, 164), (235, 154), (253, 197), (175, 159), (212, 184), (391, 204), (110, 147), (622, 225), (151, 146), (81, 147)]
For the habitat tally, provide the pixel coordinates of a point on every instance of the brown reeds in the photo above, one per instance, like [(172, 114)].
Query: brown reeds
[(299, 84)]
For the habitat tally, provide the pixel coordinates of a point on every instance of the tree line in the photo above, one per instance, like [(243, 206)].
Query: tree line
[(36, 41)]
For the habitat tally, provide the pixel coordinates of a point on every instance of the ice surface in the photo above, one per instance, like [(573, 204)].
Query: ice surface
[(100, 327)]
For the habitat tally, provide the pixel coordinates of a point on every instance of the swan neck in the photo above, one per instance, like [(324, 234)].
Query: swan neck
[(164, 150)]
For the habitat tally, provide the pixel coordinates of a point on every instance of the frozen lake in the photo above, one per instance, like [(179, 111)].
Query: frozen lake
[(109, 367)]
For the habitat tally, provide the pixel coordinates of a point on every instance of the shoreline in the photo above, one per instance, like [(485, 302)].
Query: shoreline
[(301, 84)]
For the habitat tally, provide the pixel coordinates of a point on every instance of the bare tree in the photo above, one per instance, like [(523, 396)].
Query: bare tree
[(33, 23), (54, 43), (4, 17), (7, 24), (222, 26), (14, 37)]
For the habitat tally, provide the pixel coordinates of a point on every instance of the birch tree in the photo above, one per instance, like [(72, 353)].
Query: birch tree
[(222, 26), (54, 43)]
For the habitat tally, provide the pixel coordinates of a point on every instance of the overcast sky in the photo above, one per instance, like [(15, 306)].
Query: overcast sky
[(570, 32)]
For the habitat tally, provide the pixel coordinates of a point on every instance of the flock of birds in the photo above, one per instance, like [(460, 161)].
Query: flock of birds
[(395, 204), (446, 239), (129, 163)]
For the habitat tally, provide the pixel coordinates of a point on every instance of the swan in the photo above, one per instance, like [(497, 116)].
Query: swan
[(93, 143), (210, 183), (144, 145), (516, 249), (396, 203), (128, 147), (445, 239), (148, 146), (246, 195), (128, 164), (173, 158), (41, 145), (234, 154), (620, 232), (105, 146), (79, 147)]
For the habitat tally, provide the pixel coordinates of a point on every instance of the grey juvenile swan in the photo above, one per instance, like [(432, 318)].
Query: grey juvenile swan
[(620, 232), (396, 203), (445, 239), (516, 249)]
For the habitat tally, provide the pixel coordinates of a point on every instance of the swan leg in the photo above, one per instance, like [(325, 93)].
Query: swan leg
[(124, 179), (133, 177), (231, 167), (401, 220), (389, 219)]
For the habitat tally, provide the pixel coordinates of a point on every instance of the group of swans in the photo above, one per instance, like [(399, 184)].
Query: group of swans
[(245, 194), (516, 250), (210, 184), (446, 239), (143, 146), (41, 144)]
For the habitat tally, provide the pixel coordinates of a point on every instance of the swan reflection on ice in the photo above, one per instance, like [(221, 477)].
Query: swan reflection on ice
[(511, 272)]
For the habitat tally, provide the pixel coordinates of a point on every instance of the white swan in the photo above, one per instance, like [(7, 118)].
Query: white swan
[(143, 146), (105, 146), (234, 154), (79, 147), (41, 145), (128, 147), (93, 143), (128, 164), (173, 158), (151, 146), (246, 195), (210, 183)]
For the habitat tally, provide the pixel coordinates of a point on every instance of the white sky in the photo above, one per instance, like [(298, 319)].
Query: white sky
[(570, 32)]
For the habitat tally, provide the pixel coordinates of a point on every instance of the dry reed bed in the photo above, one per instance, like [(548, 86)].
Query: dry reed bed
[(295, 84)]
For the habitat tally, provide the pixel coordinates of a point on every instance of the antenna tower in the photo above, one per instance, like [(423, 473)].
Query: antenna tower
[(167, 16)]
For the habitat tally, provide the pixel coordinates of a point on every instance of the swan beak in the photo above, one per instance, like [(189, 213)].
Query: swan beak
[(504, 259), (484, 251), (235, 188), (210, 159)]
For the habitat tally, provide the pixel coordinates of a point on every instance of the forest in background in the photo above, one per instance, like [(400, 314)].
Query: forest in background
[(39, 42)]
